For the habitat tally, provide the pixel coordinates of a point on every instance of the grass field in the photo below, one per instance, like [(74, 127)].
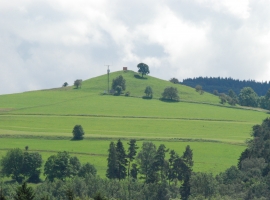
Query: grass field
[(44, 120)]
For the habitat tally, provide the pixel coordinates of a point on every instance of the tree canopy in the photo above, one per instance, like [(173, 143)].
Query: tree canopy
[(78, 132), (61, 166), (21, 165), (119, 81), (248, 97), (78, 83), (170, 93), (143, 69)]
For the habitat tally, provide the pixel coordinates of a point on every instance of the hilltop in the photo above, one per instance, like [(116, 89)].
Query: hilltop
[(43, 120)]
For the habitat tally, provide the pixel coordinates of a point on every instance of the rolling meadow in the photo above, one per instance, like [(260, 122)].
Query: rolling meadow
[(43, 120)]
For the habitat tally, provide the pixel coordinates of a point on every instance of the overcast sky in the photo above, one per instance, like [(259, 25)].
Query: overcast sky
[(45, 43)]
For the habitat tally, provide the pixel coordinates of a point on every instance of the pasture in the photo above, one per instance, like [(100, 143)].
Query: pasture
[(43, 120)]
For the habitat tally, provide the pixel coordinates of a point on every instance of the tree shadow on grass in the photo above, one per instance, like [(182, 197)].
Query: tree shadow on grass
[(76, 140), (147, 98), (139, 77), (169, 100)]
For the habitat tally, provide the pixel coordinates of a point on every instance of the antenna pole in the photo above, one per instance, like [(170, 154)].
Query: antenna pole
[(108, 72)]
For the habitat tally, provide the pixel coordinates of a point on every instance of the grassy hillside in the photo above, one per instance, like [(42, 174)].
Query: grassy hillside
[(44, 120)]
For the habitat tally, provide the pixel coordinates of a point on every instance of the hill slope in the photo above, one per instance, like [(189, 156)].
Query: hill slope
[(44, 120)]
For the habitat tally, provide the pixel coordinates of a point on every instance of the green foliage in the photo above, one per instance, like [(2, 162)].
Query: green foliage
[(2, 196), (143, 69), (11, 164), (188, 156), (61, 166), (20, 165), (78, 132), (78, 83), (118, 90), (174, 80), (98, 196), (87, 169), (203, 184), (248, 97), (121, 172), (198, 88), (70, 194), (145, 159), (223, 98), (65, 84), (24, 193), (112, 162), (148, 91), (215, 92), (132, 152), (119, 81), (170, 93)]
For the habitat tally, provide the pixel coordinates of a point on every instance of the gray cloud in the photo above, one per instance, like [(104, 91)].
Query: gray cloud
[(45, 43)]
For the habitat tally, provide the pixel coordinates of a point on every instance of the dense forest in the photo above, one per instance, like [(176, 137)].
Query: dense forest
[(223, 85)]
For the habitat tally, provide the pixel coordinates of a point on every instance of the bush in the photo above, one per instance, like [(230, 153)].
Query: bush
[(78, 132), (170, 93)]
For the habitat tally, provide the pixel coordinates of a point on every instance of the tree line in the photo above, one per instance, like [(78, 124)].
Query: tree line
[(223, 85), (148, 174)]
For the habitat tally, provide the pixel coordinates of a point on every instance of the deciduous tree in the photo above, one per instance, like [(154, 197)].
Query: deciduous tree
[(119, 81), (78, 83), (170, 93), (78, 132), (61, 166), (143, 68), (174, 80), (148, 91)]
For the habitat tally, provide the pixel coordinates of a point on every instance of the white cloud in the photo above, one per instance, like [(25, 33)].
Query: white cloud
[(45, 43)]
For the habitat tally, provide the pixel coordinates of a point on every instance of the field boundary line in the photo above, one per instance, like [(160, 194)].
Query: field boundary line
[(173, 139), (127, 117)]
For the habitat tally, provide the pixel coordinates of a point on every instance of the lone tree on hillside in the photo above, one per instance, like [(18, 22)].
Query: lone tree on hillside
[(174, 80), (78, 132), (143, 69), (65, 84), (199, 89), (78, 83), (119, 81), (248, 97), (170, 93), (148, 91)]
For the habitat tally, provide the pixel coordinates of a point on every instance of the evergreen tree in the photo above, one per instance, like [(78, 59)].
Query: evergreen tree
[(24, 193), (160, 162), (112, 162), (188, 156), (134, 171), (121, 160), (132, 151), (145, 159), (186, 172), (172, 173)]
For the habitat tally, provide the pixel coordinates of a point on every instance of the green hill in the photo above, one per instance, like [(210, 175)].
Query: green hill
[(43, 120)]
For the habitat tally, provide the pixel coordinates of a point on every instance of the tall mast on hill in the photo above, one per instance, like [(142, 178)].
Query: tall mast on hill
[(108, 72)]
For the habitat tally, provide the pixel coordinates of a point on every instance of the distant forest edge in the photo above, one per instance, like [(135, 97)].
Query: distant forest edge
[(223, 85)]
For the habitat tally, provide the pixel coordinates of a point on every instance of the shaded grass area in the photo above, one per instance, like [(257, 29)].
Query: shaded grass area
[(95, 152)]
